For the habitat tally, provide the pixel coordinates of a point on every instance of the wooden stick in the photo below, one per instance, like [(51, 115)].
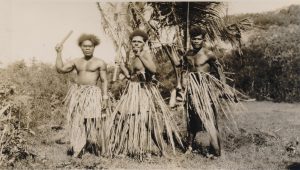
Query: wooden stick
[(117, 65), (116, 70), (66, 37), (172, 101)]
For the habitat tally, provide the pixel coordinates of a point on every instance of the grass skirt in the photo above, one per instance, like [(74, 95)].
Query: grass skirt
[(85, 119), (207, 97), (141, 122)]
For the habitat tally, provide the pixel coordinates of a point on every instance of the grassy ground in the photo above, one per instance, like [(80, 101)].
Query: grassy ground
[(267, 140)]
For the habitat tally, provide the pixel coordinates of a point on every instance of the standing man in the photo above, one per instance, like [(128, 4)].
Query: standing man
[(207, 95), (141, 117), (85, 99)]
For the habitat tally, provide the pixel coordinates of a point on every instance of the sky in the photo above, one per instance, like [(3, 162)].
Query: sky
[(32, 28)]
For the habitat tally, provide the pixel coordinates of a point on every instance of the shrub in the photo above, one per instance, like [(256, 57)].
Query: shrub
[(269, 67), (39, 90)]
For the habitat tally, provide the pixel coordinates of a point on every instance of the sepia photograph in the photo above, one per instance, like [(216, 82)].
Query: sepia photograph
[(87, 84)]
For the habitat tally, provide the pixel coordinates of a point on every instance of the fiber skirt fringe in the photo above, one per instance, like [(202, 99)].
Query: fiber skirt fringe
[(141, 122), (207, 97), (85, 119)]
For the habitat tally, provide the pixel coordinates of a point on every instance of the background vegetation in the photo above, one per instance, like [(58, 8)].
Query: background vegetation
[(269, 69), (270, 65)]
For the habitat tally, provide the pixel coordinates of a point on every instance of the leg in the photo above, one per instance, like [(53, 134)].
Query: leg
[(216, 145), (78, 136), (92, 134), (192, 129), (191, 138)]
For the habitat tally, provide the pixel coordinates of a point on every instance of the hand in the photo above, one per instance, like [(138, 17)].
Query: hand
[(58, 48), (127, 76), (137, 52), (104, 104)]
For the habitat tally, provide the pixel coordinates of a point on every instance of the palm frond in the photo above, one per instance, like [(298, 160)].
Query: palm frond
[(205, 14), (116, 26), (233, 32), (140, 120)]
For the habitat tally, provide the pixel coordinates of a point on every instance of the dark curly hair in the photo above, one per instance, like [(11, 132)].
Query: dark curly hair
[(91, 37), (139, 33), (197, 30)]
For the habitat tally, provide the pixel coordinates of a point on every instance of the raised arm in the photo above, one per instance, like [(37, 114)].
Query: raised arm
[(147, 60), (60, 67)]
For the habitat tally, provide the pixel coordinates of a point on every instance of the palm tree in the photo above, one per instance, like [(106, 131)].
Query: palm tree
[(168, 25)]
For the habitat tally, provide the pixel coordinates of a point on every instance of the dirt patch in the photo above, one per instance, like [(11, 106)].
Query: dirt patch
[(232, 142)]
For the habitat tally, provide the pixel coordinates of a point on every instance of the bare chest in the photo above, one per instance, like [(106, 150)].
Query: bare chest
[(198, 60), (88, 66), (137, 65)]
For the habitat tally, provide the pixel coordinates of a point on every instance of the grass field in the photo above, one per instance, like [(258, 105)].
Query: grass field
[(267, 140)]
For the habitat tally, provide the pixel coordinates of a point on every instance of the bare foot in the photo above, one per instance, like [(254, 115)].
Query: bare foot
[(164, 154), (148, 156), (189, 150), (211, 156)]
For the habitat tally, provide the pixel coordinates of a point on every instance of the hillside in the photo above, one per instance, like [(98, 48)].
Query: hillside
[(270, 65), (282, 17)]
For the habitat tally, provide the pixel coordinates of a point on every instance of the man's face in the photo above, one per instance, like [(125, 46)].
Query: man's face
[(197, 41), (87, 48), (137, 43)]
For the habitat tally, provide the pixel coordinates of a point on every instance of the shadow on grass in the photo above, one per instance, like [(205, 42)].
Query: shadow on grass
[(294, 166)]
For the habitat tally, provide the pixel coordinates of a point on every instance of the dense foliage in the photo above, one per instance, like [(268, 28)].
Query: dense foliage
[(39, 90), (270, 65)]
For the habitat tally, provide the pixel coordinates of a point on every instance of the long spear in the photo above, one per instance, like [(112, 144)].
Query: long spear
[(168, 52), (118, 57), (187, 26), (174, 91)]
